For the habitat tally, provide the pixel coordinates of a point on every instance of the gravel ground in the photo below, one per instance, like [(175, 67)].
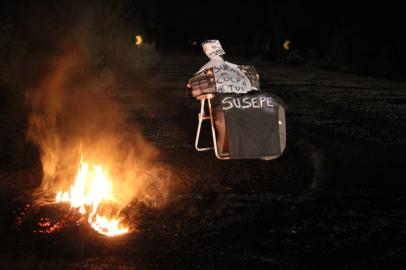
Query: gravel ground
[(334, 200)]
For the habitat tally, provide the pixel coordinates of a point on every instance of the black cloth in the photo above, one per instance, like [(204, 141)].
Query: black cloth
[(252, 124)]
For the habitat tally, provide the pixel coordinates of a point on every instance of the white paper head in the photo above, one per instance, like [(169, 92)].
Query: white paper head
[(212, 48)]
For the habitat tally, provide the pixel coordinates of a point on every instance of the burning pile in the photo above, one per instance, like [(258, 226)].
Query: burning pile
[(75, 111), (91, 189)]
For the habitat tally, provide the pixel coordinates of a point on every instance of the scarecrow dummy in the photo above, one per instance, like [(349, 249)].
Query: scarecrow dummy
[(250, 123), (229, 78)]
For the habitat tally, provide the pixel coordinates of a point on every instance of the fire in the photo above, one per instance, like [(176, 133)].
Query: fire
[(138, 40), (92, 188), (286, 45)]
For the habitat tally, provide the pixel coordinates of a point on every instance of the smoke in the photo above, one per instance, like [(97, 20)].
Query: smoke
[(74, 111)]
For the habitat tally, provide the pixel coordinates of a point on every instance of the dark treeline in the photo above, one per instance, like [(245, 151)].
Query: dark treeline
[(367, 38)]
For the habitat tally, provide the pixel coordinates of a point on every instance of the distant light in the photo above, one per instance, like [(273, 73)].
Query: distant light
[(286, 45), (194, 43), (138, 40)]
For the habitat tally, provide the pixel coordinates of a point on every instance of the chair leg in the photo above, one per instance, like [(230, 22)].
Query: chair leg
[(202, 117)]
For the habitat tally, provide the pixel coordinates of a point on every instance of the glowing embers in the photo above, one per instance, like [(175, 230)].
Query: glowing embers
[(92, 196), (48, 226)]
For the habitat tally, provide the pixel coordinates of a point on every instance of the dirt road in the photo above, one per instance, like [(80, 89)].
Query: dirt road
[(334, 200)]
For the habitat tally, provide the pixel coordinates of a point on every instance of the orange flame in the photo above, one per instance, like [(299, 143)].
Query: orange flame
[(286, 45), (138, 40), (92, 187)]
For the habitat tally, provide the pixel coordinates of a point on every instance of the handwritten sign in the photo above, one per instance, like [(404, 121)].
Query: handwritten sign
[(230, 79)]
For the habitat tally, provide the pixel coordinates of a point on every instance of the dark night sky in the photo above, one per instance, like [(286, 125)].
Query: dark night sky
[(231, 22), (309, 24), (308, 21), (364, 35), (369, 36)]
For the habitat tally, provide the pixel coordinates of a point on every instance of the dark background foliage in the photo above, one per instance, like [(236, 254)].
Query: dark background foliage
[(367, 38)]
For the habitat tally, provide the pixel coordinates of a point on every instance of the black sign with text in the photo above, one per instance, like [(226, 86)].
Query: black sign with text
[(255, 125)]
